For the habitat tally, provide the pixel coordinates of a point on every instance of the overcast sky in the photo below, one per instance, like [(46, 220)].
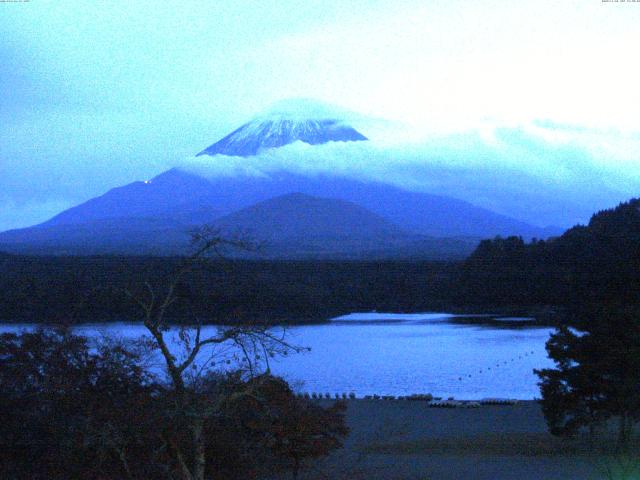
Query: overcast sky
[(97, 94)]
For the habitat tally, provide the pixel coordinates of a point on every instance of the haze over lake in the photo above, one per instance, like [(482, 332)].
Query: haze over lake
[(398, 354)]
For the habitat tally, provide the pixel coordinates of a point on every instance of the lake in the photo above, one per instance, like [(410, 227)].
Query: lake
[(400, 354)]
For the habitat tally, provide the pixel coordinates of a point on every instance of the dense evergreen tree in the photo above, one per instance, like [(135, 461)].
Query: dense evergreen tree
[(583, 269), (597, 374), (593, 273)]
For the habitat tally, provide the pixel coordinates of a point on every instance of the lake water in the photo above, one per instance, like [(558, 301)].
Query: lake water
[(400, 354)]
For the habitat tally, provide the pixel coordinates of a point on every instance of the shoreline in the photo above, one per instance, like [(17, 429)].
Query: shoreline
[(542, 316), (408, 440)]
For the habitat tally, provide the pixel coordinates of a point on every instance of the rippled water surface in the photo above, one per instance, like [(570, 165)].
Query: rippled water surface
[(400, 354)]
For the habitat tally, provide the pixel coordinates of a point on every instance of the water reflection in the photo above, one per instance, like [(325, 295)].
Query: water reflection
[(468, 357)]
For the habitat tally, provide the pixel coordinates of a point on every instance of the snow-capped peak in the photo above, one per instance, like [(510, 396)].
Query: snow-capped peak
[(286, 122)]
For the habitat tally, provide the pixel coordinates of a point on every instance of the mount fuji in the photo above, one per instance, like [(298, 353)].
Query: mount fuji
[(286, 122), (302, 216)]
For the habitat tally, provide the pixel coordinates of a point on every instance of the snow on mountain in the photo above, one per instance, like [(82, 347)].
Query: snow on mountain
[(286, 122)]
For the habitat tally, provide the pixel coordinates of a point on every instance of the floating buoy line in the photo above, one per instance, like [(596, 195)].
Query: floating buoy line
[(498, 364), (436, 401)]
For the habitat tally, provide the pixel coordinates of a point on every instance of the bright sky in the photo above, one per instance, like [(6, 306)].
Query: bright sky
[(96, 94)]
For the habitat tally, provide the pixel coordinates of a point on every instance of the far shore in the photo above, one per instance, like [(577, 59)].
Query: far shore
[(536, 315)]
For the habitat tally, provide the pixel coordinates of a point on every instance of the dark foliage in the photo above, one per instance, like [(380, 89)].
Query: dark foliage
[(585, 268), (72, 410), (597, 352), (597, 374), (90, 289), (284, 429), (69, 411)]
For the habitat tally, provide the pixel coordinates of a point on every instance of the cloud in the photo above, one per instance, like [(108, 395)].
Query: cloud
[(544, 174), (97, 95)]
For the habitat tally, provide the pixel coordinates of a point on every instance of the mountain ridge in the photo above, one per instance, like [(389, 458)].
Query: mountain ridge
[(280, 202), (291, 226), (183, 193)]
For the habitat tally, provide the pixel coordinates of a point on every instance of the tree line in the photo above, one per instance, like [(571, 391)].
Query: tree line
[(93, 289), (585, 268)]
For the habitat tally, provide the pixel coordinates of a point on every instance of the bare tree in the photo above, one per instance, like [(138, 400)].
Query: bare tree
[(255, 343)]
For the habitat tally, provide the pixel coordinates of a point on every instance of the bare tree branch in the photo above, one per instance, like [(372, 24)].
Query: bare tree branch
[(256, 342)]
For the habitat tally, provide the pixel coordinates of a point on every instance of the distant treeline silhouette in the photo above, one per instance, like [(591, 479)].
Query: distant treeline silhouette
[(585, 267), (81, 289)]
